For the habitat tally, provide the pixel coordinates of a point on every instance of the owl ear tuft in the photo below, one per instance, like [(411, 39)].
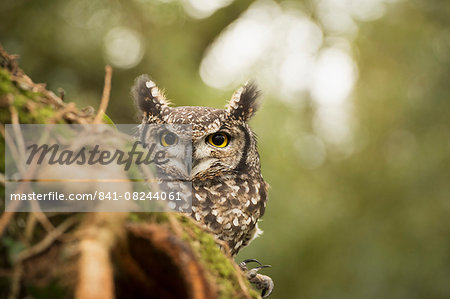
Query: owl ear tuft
[(243, 103), (148, 97)]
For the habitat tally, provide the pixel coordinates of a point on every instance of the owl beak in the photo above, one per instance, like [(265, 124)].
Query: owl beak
[(188, 162)]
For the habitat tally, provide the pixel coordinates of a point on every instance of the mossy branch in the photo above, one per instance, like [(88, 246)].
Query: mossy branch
[(100, 255)]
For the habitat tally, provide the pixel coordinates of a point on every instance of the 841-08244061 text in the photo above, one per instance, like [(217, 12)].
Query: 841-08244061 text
[(53, 195)]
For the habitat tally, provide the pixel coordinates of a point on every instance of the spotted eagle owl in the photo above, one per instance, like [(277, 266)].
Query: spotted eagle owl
[(229, 192)]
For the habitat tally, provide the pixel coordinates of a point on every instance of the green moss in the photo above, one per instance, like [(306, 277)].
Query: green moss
[(42, 115), (21, 97), (213, 259), (5, 82), (8, 87), (19, 101), (148, 217), (30, 94)]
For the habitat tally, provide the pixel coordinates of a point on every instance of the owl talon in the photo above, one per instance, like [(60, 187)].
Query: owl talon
[(244, 263), (261, 282)]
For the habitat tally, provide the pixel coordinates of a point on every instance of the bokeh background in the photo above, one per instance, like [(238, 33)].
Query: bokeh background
[(354, 130)]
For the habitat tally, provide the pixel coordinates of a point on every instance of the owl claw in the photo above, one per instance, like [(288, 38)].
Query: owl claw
[(262, 282), (243, 265)]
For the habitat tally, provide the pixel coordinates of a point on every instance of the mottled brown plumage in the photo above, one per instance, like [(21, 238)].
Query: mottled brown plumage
[(229, 193)]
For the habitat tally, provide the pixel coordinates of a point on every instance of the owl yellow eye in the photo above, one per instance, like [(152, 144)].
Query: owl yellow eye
[(218, 139), (168, 138)]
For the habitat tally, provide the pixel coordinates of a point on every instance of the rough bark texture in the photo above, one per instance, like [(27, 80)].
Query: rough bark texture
[(100, 255)]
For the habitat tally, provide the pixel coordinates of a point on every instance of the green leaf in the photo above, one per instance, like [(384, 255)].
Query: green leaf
[(108, 120)]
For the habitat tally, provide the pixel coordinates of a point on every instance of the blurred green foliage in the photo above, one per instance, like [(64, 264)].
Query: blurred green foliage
[(374, 223)]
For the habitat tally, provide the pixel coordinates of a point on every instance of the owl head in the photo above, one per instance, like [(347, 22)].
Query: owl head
[(222, 142)]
